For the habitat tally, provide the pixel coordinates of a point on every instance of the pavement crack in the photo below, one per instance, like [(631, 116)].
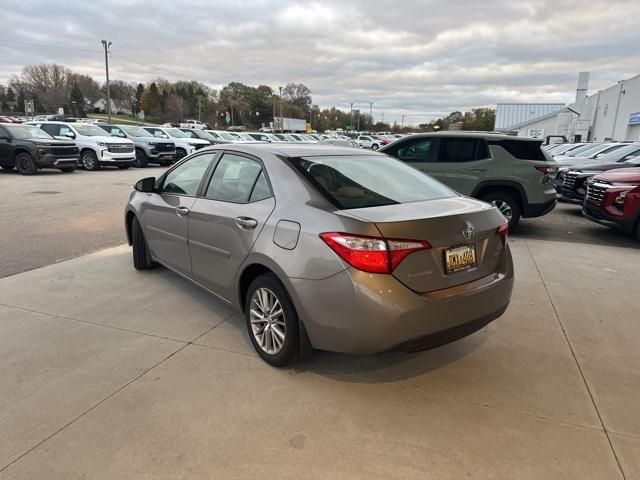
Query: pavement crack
[(575, 358)]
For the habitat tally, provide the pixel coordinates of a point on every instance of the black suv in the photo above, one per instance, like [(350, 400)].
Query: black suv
[(27, 148)]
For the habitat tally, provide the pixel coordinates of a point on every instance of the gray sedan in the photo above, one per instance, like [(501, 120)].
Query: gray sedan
[(325, 247)]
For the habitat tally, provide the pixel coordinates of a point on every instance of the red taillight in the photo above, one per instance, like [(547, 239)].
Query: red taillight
[(503, 231), (372, 254)]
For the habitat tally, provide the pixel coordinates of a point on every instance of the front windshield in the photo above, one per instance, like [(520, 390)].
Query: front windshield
[(214, 134), (134, 131), (235, 136), (604, 152), (227, 136), (25, 132), (585, 149), (87, 130), (175, 133), (156, 132), (358, 181), (204, 135)]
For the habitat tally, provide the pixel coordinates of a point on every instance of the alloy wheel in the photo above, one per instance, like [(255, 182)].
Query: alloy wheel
[(504, 208), (267, 321), (88, 161)]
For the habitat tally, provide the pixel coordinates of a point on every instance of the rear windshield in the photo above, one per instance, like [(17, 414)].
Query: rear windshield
[(358, 181), (522, 149)]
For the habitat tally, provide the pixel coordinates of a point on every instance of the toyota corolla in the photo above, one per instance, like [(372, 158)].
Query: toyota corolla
[(325, 247)]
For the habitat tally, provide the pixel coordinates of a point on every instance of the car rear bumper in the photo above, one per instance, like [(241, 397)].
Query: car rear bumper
[(363, 313), (539, 209)]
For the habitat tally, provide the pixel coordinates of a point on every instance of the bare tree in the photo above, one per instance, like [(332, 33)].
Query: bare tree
[(174, 108), (49, 83)]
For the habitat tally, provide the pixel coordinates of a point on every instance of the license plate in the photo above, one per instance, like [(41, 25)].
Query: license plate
[(460, 258)]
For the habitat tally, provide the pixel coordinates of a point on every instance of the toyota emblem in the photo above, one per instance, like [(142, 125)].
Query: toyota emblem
[(468, 231)]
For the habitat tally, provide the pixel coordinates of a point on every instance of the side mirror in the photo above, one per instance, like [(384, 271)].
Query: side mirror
[(70, 135), (145, 185)]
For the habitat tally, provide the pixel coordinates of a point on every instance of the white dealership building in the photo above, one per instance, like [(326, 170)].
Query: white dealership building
[(612, 114)]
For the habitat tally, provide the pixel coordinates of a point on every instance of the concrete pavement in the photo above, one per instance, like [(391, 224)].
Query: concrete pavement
[(112, 373)]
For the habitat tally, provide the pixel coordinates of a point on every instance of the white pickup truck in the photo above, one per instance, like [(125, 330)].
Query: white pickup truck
[(195, 124)]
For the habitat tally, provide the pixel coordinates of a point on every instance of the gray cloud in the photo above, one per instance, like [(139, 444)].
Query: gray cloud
[(419, 58)]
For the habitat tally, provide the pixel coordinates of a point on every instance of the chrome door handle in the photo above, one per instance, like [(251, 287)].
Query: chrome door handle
[(246, 223), (182, 211), (478, 170)]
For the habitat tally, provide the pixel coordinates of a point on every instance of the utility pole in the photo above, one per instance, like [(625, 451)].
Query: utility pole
[(199, 107), (371, 114), (281, 121), (351, 117), (106, 46), (382, 117), (402, 125)]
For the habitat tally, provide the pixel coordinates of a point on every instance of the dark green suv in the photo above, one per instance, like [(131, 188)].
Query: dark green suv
[(513, 173)]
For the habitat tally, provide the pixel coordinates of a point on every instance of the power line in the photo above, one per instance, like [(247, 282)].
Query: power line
[(48, 46)]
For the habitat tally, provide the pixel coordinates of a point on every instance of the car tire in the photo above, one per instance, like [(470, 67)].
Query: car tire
[(141, 255), (90, 160), (166, 163), (180, 153), (25, 164), (374, 146), (507, 204), (68, 169), (123, 167), (267, 290), (141, 158)]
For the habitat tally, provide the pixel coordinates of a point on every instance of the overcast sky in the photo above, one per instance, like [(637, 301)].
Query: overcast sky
[(420, 58)]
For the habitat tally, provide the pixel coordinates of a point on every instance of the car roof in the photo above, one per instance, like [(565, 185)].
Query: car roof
[(469, 134), (292, 149)]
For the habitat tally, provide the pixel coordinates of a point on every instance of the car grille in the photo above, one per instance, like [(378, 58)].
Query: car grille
[(62, 151), (595, 193), (569, 179), (164, 147), (120, 148)]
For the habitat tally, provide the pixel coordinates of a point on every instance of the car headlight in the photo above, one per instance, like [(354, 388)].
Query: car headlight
[(149, 143), (43, 151), (101, 144)]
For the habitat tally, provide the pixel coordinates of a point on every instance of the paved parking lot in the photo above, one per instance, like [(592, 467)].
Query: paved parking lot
[(113, 373)]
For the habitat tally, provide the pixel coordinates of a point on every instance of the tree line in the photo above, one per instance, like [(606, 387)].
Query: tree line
[(51, 86)]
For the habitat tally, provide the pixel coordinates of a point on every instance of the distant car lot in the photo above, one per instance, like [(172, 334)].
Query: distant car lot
[(65, 216)]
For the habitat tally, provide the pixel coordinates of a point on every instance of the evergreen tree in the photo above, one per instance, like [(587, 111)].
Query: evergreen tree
[(77, 100)]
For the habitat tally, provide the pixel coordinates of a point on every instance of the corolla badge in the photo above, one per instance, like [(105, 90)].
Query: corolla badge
[(468, 231)]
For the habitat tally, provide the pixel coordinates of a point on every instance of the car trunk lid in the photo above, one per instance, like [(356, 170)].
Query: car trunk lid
[(453, 227)]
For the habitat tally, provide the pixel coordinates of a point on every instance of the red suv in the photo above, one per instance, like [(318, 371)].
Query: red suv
[(613, 199)]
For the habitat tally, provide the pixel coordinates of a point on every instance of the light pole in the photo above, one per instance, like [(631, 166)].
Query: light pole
[(402, 124), (371, 114), (106, 46), (281, 122), (351, 117)]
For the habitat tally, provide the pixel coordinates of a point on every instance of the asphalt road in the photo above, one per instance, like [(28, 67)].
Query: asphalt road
[(54, 216)]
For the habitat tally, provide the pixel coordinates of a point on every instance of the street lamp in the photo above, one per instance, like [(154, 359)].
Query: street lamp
[(281, 122)]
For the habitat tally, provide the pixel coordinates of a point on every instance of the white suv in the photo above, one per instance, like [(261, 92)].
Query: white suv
[(97, 147), (184, 144), (366, 141), (195, 124)]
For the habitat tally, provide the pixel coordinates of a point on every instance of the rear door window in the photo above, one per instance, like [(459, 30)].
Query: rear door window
[(236, 179), (457, 150)]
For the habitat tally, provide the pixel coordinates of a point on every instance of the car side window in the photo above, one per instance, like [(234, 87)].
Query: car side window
[(413, 151), (66, 131), (236, 179), (186, 177), (51, 128), (4, 133), (117, 132), (454, 150)]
